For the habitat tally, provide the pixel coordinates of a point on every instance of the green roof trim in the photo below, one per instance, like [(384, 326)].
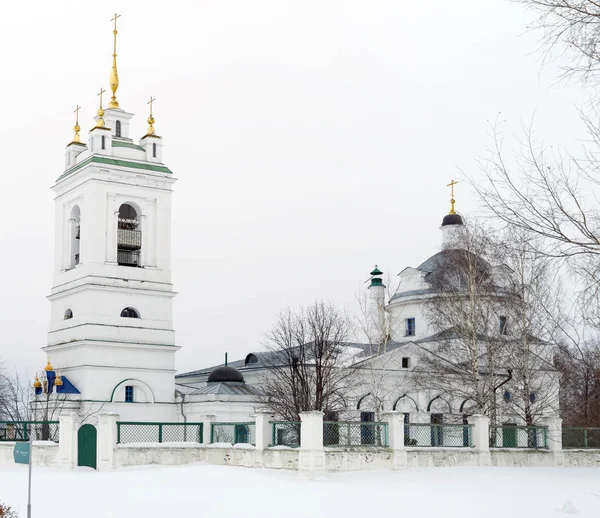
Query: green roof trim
[(376, 282), (119, 143), (376, 271), (97, 159)]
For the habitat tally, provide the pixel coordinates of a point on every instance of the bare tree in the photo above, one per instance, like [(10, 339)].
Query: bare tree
[(492, 305), (528, 330), (307, 361), (464, 362), (571, 29)]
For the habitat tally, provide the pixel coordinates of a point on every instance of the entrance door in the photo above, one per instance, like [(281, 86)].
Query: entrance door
[(86, 446), (509, 435), (437, 434)]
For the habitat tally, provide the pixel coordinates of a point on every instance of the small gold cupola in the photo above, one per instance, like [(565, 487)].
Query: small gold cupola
[(77, 127), (48, 366), (37, 383), (100, 112), (151, 120)]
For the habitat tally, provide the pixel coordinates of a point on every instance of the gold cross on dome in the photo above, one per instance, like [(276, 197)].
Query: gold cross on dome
[(76, 112), (452, 200), (152, 99), (100, 94), (114, 19)]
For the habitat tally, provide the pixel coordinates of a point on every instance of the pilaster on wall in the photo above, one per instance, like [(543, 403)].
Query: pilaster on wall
[(107, 441), (395, 422), (481, 438), (312, 454), (67, 446)]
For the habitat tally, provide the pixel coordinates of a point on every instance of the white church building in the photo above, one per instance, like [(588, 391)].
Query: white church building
[(111, 343)]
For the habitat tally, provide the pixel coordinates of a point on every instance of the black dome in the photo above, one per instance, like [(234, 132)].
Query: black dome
[(225, 374), (452, 219)]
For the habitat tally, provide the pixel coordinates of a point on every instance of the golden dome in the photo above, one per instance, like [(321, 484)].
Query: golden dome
[(48, 367), (37, 383), (58, 382)]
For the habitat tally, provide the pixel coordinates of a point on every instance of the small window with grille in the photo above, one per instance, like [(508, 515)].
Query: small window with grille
[(118, 129), (154, 150), (128, 394)]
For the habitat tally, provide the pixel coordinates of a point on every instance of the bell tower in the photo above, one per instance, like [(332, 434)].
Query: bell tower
[(111, 329)]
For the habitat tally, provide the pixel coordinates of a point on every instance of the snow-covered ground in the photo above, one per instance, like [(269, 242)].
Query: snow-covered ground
[(207, 491)]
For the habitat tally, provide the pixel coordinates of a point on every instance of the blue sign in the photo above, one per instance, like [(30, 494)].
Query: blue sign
[(21, 453)]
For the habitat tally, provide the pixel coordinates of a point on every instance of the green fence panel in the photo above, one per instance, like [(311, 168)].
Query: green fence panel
[(511, 436), (134, 432), (21, 431), (580, 438), (349, 434), (286, 433), (427, 435), (233, 433)]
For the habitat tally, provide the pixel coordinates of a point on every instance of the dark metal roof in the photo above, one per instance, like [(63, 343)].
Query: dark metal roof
[(226, 374), (452, 219)]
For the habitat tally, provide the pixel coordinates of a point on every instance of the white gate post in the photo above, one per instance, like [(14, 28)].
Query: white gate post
[(107, 441), (67, 439), (554, 438), (395, 425), (312, 454), (207, 421), (481, 438), (264, 430)]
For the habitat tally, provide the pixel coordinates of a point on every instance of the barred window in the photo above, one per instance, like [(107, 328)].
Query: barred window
[(128, 394), (118, 129)]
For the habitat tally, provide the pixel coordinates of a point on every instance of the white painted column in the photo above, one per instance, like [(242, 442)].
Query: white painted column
[(312, 454), (107, 440), (395, 422), (554, 425), (67, 435), (481, 437), (264, 430), (207, 422)]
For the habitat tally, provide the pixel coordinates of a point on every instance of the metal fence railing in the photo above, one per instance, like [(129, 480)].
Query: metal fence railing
[(286, 433), (345, 433), (442, 435), (23, 430), (131, 432), (233, 433), (580, 438), (512, 436)]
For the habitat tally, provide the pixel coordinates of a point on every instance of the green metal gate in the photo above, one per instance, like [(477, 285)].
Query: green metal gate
[(86, 446)]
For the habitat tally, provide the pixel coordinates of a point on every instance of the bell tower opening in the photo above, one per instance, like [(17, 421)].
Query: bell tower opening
[(75, 236), (129, 242)]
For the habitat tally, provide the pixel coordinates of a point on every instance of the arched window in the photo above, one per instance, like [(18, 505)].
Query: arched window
[(75, 237), (68, 314), (251, 358), (154, 149), (130, 313), (103, 142), (129, 241), (118, 129)]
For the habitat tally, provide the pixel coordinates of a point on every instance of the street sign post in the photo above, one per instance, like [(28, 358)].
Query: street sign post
[(23, 454)]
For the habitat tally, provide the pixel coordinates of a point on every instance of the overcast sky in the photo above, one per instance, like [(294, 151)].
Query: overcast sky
[(311, 140)]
